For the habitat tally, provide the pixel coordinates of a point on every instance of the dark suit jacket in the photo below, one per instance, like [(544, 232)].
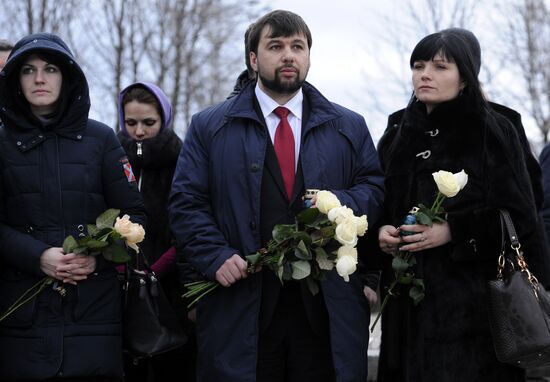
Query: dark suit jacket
[(277, 209)]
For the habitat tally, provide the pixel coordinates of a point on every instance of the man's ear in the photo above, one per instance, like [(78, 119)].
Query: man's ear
[(253, 61)]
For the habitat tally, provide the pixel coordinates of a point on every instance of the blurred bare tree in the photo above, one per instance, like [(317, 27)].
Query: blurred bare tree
[(515, 42), (527, 50), (398, 33), (191, 48)]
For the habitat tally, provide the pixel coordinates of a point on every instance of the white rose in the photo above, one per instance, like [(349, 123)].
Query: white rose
[(326, 201), (133, 233), (346, 232), (450, 184), (338, 214), (362, 224), (345, 266), (347, 250)]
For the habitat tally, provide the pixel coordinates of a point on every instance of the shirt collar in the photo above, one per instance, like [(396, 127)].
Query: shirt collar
[(267, 104)]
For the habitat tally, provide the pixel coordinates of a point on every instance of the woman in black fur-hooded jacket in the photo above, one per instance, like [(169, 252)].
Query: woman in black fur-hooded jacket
[(449, 126)]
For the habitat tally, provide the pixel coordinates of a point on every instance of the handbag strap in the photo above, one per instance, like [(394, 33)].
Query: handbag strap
[(509, 232), (508, 228), (149, 274)]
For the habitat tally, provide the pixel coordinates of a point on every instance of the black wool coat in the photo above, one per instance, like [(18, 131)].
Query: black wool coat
[(446, 337)]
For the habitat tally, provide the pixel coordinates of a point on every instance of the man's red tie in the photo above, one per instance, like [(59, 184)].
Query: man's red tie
[(284, 148)]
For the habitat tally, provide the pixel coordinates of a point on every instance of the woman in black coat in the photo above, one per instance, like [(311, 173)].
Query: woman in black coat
[(59, 170), (448, 125)]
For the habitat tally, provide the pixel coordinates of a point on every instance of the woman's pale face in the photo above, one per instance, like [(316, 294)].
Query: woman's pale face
[(142, 120), (41, 84), (436, 81)]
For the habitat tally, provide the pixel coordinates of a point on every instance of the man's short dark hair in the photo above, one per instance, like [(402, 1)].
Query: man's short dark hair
[(282, 24), (5, 46)]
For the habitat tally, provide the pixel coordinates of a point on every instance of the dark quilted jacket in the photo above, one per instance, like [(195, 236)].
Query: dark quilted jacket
[(55, 178)]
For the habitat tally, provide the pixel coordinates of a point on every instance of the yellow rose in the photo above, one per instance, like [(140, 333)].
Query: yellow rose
[(338, 214), (346, 232), (346, 265), (450, 184), (362, 224), (326, 201), (133, 233)]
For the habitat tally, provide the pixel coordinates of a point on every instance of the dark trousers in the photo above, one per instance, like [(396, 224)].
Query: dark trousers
[(289, 350)]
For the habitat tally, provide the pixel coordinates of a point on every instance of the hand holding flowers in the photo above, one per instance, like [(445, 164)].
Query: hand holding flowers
[(449, 185), (322, 238), (76, 259)]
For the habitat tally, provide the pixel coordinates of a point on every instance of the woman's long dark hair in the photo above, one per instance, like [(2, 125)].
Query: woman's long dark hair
[(461, 47)]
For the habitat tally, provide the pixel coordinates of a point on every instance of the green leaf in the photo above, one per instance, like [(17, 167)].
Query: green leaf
[(300, 269), (417, 294), (307, 216), (69, 244), (94, 244), (92, 229), (282, 232), (302, 236), (399, 265), (419, 283), (302, 252), (253, 259), (439, 219), (116, 254), (320, 252), (312, 285), (80, 250), (287, 271), (103, 232), (107, 219), (406, 279), (423, 219)]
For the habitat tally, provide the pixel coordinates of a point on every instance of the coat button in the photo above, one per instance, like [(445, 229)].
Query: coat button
[(80, 228), (79, 137), (291, 214), (254, 167), (424, 154), (19, 143), (30, 229), (253, 225)]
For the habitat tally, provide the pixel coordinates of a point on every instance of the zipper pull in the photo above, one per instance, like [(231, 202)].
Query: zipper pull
[(139, 150)]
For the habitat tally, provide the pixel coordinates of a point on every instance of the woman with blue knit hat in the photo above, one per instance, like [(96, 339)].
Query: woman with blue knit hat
[(152, 147), (59, 170)]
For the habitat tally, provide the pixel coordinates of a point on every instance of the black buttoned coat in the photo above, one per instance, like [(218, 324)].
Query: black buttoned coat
[(446, 337)]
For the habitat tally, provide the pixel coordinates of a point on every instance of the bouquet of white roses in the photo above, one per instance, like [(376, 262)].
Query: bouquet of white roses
[(322, 238), (448, 185), (105, 237)]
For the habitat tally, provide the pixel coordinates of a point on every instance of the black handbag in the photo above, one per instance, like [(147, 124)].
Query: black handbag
[(150, 324), (519, 308)]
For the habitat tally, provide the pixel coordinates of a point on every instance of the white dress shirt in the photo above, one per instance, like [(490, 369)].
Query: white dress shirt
[(267, 104)]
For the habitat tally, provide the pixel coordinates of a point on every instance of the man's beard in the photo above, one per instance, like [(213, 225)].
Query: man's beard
[(278, 86)]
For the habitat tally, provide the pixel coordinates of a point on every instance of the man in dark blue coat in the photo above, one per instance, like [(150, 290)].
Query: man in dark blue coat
[(233, 185)]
